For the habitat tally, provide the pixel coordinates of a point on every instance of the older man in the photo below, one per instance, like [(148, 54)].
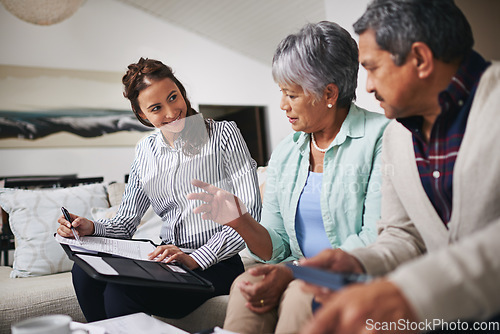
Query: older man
[(437, 252)]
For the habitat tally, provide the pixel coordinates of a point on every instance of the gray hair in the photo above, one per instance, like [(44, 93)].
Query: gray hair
[(397, 24), (319, 54)]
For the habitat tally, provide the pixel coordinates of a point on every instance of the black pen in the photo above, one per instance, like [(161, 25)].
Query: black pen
[(68, 218)]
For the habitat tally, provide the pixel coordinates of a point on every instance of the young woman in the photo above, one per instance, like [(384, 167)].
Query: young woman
[(186, 147)]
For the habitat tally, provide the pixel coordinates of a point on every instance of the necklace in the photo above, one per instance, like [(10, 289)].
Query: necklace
[(322, 150)]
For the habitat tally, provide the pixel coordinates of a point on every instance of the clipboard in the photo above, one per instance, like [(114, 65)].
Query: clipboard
[(138, 272)]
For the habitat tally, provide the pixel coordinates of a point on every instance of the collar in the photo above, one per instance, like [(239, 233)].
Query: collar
[(353, 127), (458, 91), (164, 146), (464, 81)]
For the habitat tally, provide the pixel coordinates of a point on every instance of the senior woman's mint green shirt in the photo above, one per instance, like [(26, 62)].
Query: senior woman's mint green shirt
[(350, 193)]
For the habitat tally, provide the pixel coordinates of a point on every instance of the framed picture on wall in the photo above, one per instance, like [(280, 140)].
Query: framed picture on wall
[(58, 128), (42, 107), (251, 122)]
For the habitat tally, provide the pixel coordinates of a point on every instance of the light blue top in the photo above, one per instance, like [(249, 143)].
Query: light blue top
[(350, 193), (311, 234)]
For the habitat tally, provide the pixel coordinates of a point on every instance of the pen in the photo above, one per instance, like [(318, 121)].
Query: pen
[(68, 218)]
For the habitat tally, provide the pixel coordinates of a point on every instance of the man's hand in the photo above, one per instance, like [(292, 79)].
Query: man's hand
[(265, 295), (334, 260), (362, 308)]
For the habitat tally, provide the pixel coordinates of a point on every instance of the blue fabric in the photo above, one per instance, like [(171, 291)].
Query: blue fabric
[(311, 234)]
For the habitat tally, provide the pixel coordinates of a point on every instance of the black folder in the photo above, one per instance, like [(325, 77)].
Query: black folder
[(142, 272)]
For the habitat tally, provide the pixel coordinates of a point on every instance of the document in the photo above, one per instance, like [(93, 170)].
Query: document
[(137, 323), (132, 249), (126, 261), (86, 328)]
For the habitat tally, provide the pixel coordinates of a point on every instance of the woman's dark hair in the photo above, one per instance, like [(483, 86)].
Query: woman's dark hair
[(399, 23), (140, 76)]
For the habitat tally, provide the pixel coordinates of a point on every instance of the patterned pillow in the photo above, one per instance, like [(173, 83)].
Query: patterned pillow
[(149, 228), (33, 220)]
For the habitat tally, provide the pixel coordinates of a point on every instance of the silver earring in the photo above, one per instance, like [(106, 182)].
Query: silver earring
[(329, 105)]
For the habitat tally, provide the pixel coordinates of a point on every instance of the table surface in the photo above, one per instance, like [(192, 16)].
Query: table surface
[(137, 323)]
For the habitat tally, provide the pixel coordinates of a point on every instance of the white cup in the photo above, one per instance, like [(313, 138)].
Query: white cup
[(53, 324)]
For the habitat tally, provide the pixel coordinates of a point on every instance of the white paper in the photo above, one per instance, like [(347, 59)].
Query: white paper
[(218, 330), (98, 264), (138, 323), (176, 269), (132, 249), (91, 329)]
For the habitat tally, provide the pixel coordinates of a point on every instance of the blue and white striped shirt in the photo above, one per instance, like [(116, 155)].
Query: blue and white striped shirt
[(161, 176)]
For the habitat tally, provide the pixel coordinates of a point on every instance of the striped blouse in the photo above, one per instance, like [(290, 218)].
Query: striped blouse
[(161, 176)]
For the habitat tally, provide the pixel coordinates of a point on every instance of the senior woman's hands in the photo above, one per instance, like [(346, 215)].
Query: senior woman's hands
[(220, 206), (264, 295), (226, 209)]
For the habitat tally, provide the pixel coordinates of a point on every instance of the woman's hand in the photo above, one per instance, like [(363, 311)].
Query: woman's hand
[(172, 253), (220, 206), (265, 295), (82, 225)]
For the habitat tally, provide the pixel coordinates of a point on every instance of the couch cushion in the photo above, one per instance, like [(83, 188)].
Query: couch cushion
[(23, 298), (33, 220), (208, 315), (149, 228)]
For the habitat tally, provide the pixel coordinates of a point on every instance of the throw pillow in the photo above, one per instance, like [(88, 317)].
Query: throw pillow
[(115, 193), (33, 218), (149, 228)]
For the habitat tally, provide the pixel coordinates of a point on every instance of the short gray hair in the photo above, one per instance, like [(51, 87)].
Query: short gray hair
[(397, 24), (319, 54)]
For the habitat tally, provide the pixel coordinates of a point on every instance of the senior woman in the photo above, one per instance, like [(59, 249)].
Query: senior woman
[(323, 184)]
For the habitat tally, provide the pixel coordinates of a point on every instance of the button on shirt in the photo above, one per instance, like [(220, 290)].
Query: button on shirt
[(161, 177), (436, 158)]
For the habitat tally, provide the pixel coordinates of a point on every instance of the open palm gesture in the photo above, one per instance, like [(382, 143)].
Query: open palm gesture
[(219, 205)]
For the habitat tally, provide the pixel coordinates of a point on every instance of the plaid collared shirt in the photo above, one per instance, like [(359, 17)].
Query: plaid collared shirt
[(436, 158)]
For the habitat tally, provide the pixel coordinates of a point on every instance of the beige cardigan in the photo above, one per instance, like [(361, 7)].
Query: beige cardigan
[(447, 274)]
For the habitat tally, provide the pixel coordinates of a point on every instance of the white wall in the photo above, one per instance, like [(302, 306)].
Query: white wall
[(345, 13), (481, 14), (107, 36)]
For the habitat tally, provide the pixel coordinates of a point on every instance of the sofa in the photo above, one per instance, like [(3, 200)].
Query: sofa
[(39, 282)]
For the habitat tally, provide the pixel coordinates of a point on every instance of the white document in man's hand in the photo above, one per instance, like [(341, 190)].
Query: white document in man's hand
[(133, 249)]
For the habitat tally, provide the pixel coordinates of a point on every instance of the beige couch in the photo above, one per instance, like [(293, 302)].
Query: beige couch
[(22, 298), (53, 293)]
